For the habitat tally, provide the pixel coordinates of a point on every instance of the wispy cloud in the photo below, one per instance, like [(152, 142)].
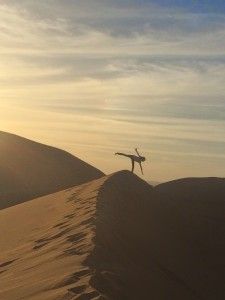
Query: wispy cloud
[(143, 67)]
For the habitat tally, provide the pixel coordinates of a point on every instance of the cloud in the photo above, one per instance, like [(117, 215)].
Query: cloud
[(72, 25), (137, 70)]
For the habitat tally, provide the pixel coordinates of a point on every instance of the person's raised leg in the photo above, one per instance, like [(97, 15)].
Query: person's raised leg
[(123, 154)]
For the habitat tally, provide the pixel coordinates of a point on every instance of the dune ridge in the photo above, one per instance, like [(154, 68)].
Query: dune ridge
[(113, 238), (30, 170), (161, 246)]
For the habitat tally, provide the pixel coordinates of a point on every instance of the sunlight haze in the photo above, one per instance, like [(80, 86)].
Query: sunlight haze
[(97, 77)]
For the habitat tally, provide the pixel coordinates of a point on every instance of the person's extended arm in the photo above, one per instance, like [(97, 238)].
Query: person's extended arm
[(137, 152)]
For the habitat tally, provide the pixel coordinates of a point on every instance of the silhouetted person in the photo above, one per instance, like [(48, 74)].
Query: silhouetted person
[(134, 158)]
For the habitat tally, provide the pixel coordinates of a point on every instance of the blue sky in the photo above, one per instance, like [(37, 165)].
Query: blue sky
[(198, 6), (202, 6), (95, 77)]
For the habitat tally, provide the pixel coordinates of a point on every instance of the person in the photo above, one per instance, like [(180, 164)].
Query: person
[(134, 158)]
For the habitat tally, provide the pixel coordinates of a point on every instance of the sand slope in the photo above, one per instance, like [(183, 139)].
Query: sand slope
[(195, 236), (114, 238), (29, 170)]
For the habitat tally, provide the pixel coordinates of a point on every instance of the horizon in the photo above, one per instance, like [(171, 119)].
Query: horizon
[(101, 77)]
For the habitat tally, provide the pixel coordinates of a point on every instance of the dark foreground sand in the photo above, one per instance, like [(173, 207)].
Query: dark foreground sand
[(116, 238)]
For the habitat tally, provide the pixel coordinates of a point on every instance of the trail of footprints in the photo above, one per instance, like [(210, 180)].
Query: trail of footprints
[(78, 291)]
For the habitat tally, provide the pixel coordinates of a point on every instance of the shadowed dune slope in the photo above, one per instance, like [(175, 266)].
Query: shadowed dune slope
[(195, 244), (29, 170), (114, 238), (162, 244)]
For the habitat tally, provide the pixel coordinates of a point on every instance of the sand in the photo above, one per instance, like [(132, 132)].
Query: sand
[(29, 170), (116, 238)]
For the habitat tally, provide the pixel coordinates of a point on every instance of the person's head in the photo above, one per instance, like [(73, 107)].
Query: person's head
[(143, 158)]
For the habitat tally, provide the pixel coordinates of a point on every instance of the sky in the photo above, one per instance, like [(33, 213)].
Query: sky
[(98, 77)]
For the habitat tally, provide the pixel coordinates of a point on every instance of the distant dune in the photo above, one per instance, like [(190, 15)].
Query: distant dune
[(29, 170), (116, 238), (154, 183)]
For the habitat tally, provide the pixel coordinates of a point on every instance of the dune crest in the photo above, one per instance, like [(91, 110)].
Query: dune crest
[(112, 238)]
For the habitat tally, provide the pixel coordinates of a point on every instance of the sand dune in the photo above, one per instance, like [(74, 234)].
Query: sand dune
[(115, 238), (29, 170)]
